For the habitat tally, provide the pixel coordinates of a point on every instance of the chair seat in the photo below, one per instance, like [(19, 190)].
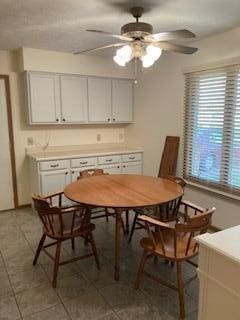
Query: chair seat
[(67, 225), (182, 240)]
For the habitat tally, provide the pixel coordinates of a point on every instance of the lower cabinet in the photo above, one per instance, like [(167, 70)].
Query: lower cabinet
[(50, 176), (111, 168), (52, 181), (132, 168)]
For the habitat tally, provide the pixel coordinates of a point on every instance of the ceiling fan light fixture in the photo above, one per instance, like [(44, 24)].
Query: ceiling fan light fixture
[(153, 51), (123, 55), (147, 61)]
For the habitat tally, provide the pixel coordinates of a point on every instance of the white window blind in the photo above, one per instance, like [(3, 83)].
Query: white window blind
[(212, 128)]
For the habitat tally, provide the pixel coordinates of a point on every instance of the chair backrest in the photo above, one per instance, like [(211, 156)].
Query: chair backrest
[(91, 172), (169, 211), (60, 222), (183, 234), (169, 157)]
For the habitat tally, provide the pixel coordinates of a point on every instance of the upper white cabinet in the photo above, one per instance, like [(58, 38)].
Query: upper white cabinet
[(122, 100), (71, 99), (44, 98), (99, 99), (74, 99)]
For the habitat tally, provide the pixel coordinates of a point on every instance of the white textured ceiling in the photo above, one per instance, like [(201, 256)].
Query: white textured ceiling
[(60, 24)]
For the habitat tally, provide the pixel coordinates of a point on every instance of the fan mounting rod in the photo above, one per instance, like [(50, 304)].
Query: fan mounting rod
[(137, 12)]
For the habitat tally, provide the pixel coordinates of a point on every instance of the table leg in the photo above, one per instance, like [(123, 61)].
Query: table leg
[(118, 212)]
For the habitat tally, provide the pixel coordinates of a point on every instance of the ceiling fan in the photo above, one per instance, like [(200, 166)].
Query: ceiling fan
[(141, 43)]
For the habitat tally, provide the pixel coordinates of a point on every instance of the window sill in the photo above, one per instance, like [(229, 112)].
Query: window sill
[(215, 191)]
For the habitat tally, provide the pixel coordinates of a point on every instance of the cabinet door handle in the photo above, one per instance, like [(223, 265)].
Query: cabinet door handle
[(109, 160), (73, 171), (63, 119), (114, 119), (124, 166), (108, 119), (54, 165), (83, 162), (132, 158), (66, 172), (57, 120), (118, 167)]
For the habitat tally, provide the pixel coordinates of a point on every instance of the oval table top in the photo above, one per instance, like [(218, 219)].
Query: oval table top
[(122, 191)]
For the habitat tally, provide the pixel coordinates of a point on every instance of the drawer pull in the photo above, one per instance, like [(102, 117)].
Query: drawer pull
[(83, 162), (132, 158), (109, 160), (54, 165)]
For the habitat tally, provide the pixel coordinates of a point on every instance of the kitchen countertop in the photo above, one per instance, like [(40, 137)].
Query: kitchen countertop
[(226, 242), (41, 155)]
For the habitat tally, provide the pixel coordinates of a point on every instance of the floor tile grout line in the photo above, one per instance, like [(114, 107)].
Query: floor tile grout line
[(15, 298), (59, 297)]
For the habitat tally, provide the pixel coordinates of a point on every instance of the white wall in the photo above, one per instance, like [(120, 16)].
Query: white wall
[(13, 63), (159, 112)]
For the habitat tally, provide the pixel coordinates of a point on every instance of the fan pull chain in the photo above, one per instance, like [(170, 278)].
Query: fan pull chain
[(135, 70)]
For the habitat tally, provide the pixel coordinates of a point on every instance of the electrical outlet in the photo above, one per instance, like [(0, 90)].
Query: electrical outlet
[(30, 141), (98, 137)]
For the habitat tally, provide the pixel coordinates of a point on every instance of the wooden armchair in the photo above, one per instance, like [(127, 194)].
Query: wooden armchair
[(61, 224), (165, 212), (173, 243), (102, 212)]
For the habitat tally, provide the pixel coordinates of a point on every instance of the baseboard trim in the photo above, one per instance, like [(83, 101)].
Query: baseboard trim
[(23, 206)]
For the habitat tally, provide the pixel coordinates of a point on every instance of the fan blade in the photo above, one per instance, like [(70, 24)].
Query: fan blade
[(176, 47), (170, 35), (111, 35), (100, 48)]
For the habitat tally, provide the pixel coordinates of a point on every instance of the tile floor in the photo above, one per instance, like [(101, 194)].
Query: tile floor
[(82, 292)]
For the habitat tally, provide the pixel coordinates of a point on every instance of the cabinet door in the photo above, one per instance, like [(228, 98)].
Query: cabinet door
[(111, 169), (52, 181), (99, 99), (122, 100), (44, 98), (74, 99), (132, 168)]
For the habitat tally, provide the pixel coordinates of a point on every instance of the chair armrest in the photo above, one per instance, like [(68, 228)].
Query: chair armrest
[(71, 209), (51, 195), (155, 222), (192, 205)]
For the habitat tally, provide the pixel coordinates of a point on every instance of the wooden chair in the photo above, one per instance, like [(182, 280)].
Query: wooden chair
[(173, 243), (165, 212), (61, 224), (98, 212)]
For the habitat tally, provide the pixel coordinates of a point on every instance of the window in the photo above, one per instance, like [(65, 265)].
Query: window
[(212, 128)]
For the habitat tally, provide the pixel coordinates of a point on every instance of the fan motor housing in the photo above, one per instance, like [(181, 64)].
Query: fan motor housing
[(137, 29)]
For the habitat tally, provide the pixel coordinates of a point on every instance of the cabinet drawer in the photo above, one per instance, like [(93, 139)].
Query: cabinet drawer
[(83, 162), (109, 159), (53, 165), (132, 157)]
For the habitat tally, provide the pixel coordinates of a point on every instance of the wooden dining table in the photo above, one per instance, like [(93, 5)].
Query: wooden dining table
[(121, 192)]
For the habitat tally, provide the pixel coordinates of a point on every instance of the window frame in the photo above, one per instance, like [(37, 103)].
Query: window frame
[(230, 95)]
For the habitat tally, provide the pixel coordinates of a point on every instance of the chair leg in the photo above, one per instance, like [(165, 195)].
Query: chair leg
[(133, 227), (141, 269), (180, 290), (106, 213), (94, 249), (73, 243), (56, 264), (123, 226), (127, 221), (39, 248)]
